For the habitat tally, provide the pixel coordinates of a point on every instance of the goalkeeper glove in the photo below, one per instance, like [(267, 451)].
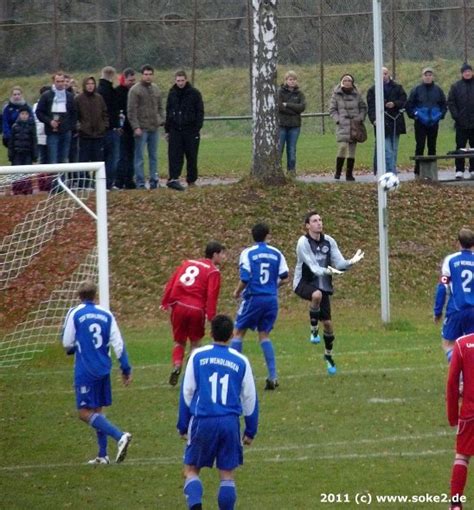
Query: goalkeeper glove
[(359, 255), (332, 270)]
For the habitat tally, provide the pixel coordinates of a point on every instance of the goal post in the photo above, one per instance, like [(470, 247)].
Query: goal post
[(36, 236)]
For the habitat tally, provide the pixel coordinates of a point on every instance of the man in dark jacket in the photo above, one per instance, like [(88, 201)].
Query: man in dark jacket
[(461, 107), (394, 99), (125, 168), (184, 120), (56, 110), (112, 137), (427, 106)]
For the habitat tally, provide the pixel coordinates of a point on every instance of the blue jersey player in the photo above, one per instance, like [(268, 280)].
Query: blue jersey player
[(89, 333), (218, 387), (262, 269), (456, 289)]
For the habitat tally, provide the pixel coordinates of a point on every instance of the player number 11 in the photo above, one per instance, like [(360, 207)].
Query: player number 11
[(224, 381)]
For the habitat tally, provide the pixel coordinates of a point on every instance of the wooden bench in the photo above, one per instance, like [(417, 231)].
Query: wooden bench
[(429, 164)]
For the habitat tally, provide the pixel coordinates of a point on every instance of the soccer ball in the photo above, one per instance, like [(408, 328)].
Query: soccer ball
[(389, 181)]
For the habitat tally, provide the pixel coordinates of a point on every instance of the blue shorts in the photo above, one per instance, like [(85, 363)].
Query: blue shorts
[(257, 312), (467, 321), (214, 438), (458, 324), (94, 394)]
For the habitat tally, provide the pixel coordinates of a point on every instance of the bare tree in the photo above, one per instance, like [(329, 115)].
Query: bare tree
[(266, 165)]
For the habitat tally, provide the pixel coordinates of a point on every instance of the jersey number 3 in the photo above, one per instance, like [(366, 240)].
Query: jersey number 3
[(189, 276)]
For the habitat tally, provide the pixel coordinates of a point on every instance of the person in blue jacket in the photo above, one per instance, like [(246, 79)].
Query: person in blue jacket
[(427, 106)]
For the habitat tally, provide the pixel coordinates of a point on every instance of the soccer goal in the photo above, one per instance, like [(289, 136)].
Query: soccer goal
[(49, 251)]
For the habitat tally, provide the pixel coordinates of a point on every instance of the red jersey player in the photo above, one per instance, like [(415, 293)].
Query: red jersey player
[(192, 293), (462, 362)]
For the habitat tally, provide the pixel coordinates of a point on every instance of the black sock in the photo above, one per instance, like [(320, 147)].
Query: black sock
[(328, 342), (314, 318)]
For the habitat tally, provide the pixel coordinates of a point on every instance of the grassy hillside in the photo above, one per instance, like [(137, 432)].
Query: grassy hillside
[(151, 232)]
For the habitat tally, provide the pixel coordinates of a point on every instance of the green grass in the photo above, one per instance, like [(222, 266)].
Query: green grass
[(378, 426)]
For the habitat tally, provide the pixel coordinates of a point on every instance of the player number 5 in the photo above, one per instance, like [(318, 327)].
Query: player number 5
[(224, 387), (264, 273)]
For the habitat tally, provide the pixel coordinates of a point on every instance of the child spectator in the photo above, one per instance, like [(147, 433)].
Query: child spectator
[(22, 148)]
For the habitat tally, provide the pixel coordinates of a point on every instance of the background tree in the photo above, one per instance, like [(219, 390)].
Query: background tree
[(266, 162)]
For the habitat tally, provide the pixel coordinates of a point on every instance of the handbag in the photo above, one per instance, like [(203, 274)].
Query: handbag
[(358, 131)]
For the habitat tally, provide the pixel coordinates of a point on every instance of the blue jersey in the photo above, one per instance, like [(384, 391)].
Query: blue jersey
[(456, 282), (89, 331), (261, 267), (218, 382)]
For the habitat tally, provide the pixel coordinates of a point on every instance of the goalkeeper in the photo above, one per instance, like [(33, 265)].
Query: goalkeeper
[(318, 259)]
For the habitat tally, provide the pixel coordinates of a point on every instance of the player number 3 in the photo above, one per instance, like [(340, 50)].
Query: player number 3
[(189, 276)]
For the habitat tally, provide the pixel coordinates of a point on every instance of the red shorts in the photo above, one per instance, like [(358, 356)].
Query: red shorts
[(188, 323), (465, 437)]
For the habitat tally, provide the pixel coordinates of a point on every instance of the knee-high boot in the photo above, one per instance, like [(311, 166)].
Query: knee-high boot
[(350, 169), (339, 166)]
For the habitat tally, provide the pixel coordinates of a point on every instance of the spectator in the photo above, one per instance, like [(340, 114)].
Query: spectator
[(112, 136), (461, 107), (184, 119), (10, 113), (291, 104), (394, 100), (218, 387), (427, 106), (22, 149), (125, 169), (40, 132), (93, 122), (71, 86), (145, 114), (346, 104), (57, 111)]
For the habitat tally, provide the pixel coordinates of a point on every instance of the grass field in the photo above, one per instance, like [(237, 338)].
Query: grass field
[(377, 427)]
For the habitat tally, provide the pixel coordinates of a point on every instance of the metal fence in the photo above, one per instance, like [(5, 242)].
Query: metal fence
[(38, 36)]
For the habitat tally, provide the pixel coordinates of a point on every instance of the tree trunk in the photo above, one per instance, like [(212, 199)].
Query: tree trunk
[(266, 164)]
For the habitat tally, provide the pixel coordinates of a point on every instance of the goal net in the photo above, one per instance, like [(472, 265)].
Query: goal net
[(54, 236)]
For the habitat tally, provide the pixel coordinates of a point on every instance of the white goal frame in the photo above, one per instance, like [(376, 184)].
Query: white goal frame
[(100, 215)]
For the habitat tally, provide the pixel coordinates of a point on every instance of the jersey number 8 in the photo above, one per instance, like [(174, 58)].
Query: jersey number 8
[(189, 276)]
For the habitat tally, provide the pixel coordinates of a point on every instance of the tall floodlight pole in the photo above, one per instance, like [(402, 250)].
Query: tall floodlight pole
[(380, 135)]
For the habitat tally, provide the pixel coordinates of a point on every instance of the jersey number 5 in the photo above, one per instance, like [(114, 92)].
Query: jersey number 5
[(224, 387), (264, 273)]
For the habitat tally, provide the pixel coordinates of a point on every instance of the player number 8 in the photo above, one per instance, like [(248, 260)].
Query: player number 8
[(189, 276)]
